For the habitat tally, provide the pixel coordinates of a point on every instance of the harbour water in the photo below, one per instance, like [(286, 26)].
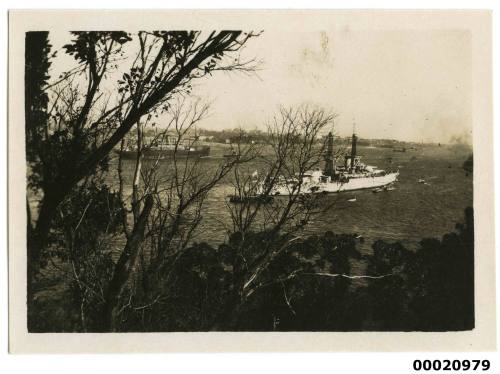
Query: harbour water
[(408, 213)]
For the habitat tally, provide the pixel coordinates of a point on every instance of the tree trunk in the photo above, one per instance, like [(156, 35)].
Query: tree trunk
[(123, 269), (37, 238), (137, 175)]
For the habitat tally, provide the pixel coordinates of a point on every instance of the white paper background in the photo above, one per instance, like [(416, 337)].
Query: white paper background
[(244, 363)]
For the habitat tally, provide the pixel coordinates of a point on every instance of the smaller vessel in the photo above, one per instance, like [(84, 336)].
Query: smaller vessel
[(262, 199), (401, 149), (167, 149), (352, 200), (233, 154), (377, 190), (421, 180)]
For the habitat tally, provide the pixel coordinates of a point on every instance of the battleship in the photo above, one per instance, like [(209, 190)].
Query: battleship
[(351, 175)]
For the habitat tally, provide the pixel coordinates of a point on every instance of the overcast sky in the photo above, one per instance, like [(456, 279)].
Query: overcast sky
[(407, 85), (395, 84)]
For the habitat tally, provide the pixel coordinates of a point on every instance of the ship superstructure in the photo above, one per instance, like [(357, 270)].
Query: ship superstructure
[(349, 176)]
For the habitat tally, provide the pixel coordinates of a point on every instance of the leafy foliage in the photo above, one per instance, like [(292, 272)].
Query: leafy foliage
[(307, 287), (36, 99), (84, 47), (441, 280), (90, 112)]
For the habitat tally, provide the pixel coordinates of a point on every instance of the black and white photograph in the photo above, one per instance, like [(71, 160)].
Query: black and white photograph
[(285, 175)]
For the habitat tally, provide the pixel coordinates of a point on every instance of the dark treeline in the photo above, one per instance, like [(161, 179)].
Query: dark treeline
[(238, 135), (310, 287)]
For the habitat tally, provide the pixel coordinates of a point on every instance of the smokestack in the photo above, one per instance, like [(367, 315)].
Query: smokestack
[(353, 149), (329, 158)]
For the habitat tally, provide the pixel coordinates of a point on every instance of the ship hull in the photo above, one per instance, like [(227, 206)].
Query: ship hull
[(154, 154), (352, 184)]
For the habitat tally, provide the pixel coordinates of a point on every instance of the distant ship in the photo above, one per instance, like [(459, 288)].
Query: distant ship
[(233, 154), (167, 150), (352, 175), (401, 149)]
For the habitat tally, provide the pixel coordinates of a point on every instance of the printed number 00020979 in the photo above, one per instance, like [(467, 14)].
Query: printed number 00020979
[(451, 365)]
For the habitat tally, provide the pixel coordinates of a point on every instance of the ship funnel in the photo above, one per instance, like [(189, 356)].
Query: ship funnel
[(353, 149), (329, 157)]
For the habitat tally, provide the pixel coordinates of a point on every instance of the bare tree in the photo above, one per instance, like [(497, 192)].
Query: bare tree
[(93, 105), (295, 148), (170, 197)]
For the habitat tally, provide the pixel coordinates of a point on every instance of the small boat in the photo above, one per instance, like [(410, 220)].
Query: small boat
[(264, 199), (352, 200), (389, 188), (231, 155), (360, 238), (421, 180), (377, 190)]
